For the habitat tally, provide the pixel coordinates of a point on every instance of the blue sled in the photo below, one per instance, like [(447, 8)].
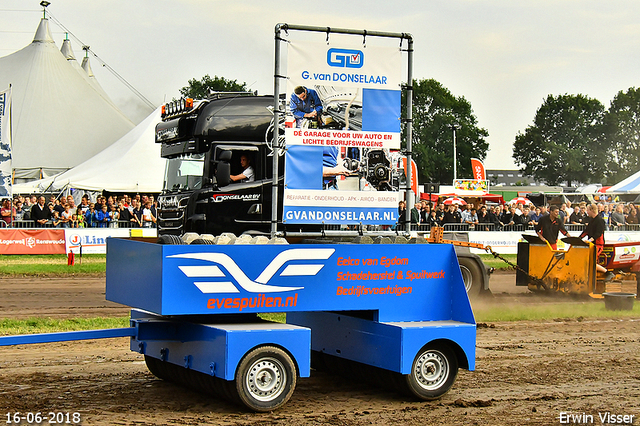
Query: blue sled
[(398, 312)]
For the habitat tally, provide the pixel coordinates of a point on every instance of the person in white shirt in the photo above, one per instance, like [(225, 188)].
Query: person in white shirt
[(247, 174)]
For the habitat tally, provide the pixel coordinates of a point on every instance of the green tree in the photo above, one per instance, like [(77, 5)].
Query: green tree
[(565, 142), (622, 124), (435, 111), (201, 89)]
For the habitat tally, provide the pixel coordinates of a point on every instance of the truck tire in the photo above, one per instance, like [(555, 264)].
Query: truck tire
[(433, 372), (471, 275), (170, 239), (202, 241), (265, 378)]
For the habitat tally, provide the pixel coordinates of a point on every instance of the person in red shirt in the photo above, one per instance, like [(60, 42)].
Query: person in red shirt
[(7, 211), (594, 232), (548, 227)]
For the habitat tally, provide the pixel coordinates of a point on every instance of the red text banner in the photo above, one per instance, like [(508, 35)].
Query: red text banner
[(32, 241)]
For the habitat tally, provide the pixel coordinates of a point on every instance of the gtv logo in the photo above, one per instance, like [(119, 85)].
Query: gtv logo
[(345, 58)]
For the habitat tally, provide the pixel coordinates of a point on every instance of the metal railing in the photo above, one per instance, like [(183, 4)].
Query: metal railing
[(448, 227), (31, 224)]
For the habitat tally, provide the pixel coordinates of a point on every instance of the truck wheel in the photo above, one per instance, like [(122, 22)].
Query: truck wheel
[(202, 241), (265, 379), (471, 275), (170, 240), (432, 374)]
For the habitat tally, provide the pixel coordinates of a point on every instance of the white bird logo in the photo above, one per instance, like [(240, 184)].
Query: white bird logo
[(259, 285)]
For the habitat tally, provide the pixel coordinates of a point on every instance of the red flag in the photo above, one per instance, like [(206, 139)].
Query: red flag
[(478, 169), (414, 174)]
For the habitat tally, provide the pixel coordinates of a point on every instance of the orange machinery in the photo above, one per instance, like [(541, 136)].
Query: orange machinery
[(574, 270)]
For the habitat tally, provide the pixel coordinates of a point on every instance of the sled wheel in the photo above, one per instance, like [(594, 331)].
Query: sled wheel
[(157, 367), (265, 379), (432, 374)]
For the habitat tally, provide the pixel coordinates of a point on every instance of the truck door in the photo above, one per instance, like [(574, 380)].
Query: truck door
[(239, 206)]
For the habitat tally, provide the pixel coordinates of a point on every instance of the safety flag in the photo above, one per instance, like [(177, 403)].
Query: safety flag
[(478, 169), (5, 143), (414, 174)]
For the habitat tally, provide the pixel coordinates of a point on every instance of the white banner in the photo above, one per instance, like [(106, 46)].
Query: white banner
[(343, 133), (94, 240), (507, 242), (342, 138), (5, 143), (346, 65)]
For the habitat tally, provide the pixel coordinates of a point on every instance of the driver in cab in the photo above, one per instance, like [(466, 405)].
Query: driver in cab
[(247, 174)]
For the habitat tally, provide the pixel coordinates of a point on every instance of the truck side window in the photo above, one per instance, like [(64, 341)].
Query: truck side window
[(245, 169)]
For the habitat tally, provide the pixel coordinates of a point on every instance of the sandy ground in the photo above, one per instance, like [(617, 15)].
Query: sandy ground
[(533, 373)]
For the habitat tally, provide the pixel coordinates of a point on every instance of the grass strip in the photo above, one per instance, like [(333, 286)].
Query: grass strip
[(52, 265), (551, 312), (483, 314), (494, 262), (10, 327), (96, 264)]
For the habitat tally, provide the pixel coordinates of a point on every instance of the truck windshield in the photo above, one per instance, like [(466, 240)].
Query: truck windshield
[(184, 173)]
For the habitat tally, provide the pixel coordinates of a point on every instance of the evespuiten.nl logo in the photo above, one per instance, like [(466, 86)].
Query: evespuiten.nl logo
[(345, 58)]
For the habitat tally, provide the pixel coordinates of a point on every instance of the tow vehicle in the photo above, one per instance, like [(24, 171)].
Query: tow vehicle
[(398, 313)]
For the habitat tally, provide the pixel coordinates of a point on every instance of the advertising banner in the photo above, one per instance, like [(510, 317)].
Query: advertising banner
[(32, 241), (91, 240), (471, 185), (342, 164), (5, 143), (395, 280), (478, 169)]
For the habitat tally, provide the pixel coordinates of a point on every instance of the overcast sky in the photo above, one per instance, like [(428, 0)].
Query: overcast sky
[(503, 56)]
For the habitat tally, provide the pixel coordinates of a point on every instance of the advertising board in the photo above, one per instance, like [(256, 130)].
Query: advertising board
[(342, 164), (32, 241), (398, 281)]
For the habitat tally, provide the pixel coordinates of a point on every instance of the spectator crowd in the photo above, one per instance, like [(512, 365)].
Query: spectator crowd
[(139, 211), (514, 217)]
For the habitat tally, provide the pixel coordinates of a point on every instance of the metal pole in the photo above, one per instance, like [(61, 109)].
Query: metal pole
[(455, 155), (409, 128), (366, 33), (276, 135)]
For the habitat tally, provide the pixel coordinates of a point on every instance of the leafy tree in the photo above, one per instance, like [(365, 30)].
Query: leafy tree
[(435, 111), (622, 123), (565, 143), (200, 89)]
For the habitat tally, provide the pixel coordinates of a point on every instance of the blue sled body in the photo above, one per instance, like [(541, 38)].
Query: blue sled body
[(195, 305)]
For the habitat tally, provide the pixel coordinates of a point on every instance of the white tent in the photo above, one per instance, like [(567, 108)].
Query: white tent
[(84, 70), (630, 184), (60, 119), (132, 164)]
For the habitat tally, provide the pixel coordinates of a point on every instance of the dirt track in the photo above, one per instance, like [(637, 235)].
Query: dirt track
[(526, 373)]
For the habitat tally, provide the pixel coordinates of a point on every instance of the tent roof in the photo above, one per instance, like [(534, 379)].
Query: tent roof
[(630, 184), (59, 118), (132, 164)]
